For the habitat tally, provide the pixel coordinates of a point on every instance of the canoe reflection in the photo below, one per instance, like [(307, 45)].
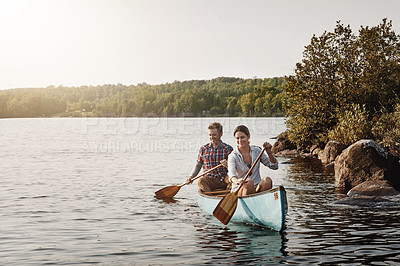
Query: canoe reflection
[(241, 244)]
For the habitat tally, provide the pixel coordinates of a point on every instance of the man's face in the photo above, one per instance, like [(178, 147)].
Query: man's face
[(215, 137)]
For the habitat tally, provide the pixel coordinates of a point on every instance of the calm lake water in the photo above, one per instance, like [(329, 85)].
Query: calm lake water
[(81, 191)]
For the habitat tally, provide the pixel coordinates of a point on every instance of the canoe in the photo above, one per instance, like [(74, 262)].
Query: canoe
[(268, 208)]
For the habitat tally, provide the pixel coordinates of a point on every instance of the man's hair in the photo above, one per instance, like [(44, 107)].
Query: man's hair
[(216, 126), (242, 129)]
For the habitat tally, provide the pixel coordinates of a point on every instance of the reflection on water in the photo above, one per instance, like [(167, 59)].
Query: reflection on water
[(241, 244)]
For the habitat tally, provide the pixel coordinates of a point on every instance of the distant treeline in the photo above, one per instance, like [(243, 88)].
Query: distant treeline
[(220, 96)]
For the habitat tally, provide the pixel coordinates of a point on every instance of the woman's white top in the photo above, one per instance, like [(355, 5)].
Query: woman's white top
[(237, 167)]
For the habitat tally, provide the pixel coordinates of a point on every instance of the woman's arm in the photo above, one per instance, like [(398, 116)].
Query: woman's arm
[(268, 150), (269, 160)]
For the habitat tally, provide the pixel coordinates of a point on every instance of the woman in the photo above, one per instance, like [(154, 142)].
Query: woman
[(242, 158)]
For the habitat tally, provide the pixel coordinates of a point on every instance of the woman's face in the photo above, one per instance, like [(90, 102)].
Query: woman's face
[(242, 139)]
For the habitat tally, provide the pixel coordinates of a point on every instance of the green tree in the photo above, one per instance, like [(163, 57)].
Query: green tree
[(340, 69)]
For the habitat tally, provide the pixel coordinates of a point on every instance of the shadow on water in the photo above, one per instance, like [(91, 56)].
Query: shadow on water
[(240, 244), (309, 170), (166, 200)]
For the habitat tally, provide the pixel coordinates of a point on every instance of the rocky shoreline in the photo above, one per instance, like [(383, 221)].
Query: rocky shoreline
[(369, 173)]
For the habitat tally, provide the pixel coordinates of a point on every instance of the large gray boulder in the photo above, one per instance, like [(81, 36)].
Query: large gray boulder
[(366, 160)]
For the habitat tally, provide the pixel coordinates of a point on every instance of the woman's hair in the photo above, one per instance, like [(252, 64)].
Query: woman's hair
[(243, 129)]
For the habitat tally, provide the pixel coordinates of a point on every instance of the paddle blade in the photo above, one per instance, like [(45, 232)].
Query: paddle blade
[(226, 208), (167, 192)]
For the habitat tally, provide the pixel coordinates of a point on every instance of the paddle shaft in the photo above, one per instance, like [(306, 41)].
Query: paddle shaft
[(248, 172), (170, 191), (208, 171)]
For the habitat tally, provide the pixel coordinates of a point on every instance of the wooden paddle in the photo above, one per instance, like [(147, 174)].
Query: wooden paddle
[(227, 206), (170, 191)]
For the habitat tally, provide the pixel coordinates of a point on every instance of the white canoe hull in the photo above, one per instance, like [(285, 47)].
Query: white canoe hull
[(267, 208)]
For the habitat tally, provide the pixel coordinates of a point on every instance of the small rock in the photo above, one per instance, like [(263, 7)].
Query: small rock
[(373, 188), (315, 152), (331, 151), (367, 201), (282, 143)]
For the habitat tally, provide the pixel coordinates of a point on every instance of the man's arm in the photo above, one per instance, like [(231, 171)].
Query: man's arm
[(195, 172)]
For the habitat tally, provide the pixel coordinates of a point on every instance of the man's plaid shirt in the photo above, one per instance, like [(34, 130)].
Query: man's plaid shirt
[(210, 156)]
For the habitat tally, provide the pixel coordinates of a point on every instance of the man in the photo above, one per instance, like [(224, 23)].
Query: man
[(211, 155)]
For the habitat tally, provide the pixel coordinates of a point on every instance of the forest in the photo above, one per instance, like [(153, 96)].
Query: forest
[(223, 96)]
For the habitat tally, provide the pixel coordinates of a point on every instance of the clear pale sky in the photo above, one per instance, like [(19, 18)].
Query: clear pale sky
[(95, 42)]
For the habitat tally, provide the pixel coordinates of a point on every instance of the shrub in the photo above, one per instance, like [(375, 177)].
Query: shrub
[(353, 125), (387, 131)]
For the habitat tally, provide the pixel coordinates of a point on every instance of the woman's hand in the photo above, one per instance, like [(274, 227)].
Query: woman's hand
[(268, 149), (239, 181), (267, 146)]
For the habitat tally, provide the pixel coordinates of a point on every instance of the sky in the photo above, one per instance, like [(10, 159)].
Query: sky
[(96, 42)]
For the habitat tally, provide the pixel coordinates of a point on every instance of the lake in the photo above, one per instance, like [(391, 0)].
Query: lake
[(81, 191)]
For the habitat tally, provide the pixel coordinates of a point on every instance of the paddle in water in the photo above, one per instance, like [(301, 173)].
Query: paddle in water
[(227, 206), (170, 191)]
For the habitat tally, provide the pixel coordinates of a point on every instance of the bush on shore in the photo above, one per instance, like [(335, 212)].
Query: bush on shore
[(387, 131), (353, 125)]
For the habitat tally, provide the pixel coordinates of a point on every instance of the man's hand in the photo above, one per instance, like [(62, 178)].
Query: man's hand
[(189, 180), (224, 162)]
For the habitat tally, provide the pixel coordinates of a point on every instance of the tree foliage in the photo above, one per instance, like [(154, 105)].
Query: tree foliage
[(220, 96), (387, 130), (353, 125), (339, 70)]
